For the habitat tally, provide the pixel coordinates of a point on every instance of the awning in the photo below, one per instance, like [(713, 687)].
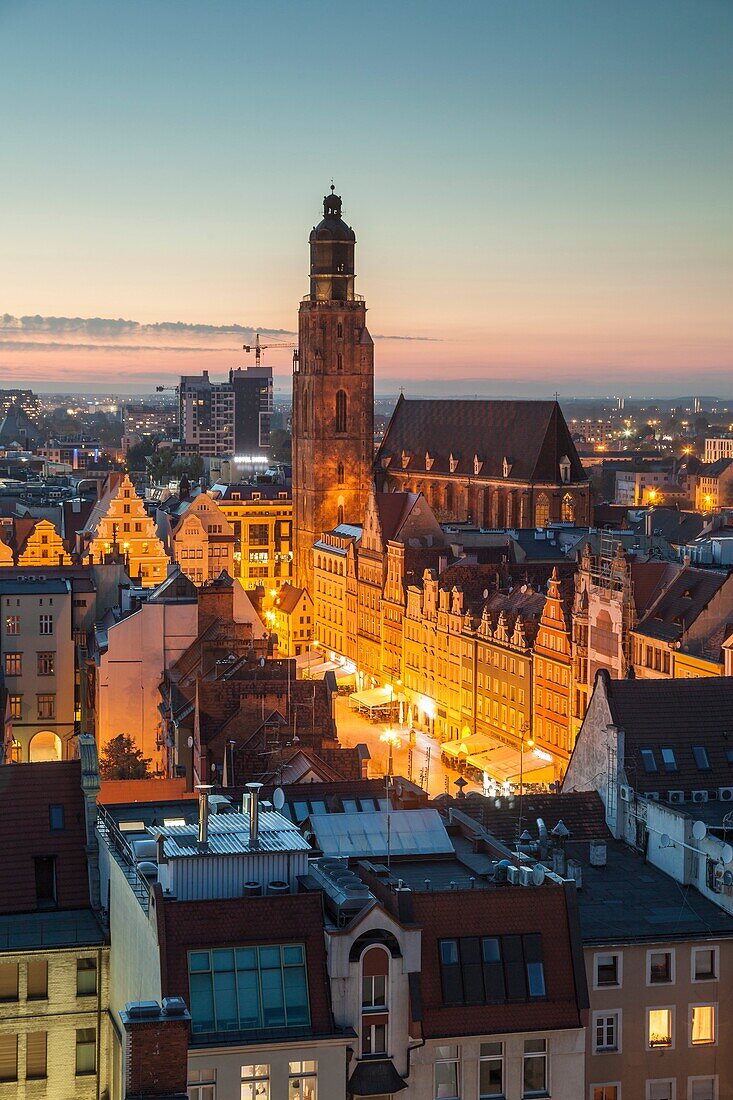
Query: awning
[(466, 746), (375, 1079), (505, 763), (375, 699)]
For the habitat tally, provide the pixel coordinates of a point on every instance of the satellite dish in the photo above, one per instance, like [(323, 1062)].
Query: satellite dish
[(190, 742), (665, 841), (727, 854), (699, 830), (538, 874), (278, 798)]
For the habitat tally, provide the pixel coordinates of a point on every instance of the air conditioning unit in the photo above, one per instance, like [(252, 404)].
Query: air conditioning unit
[(699, 796), (675, 797), (725, 794), (512, 875), (654, 795), (626, 793)]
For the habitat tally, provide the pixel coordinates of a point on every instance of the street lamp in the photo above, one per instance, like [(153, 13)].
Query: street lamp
[(390, 738)]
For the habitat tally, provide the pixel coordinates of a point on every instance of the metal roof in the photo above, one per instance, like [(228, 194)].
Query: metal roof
[(409, 833), (229, 835)]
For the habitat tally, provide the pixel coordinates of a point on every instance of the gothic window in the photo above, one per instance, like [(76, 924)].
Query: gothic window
[(542, 511), (339, 362), (341, 412), (449, 498), (568, 509), (340, 473), (340, 514), (304, 410), (339, 330)]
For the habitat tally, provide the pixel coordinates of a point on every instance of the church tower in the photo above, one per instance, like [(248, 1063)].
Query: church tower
[(333, 393)]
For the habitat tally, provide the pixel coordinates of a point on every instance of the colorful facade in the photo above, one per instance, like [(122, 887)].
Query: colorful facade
[(119, 522)]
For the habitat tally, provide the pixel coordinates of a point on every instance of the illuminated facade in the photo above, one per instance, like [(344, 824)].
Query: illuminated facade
[(291, 618), (119, 520), (333, 393), (261, 519), (552, 668), (43, 546), (330, 567), (203, 541)]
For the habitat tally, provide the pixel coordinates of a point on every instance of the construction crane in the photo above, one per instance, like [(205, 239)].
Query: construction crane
[(162, 389), (258, 348)]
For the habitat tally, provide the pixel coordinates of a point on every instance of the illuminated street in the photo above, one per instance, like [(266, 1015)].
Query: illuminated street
[(354, 729)]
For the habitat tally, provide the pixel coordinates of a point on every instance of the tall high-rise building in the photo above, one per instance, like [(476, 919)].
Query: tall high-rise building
[(227, 418), (333, 393)]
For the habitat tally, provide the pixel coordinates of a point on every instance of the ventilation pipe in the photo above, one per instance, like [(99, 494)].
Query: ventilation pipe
[(254, 812), (204, 789)]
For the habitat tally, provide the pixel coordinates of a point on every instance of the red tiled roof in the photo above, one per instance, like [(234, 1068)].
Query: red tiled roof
[(26, 793), (230, 922), (120, 791), (503, 911)]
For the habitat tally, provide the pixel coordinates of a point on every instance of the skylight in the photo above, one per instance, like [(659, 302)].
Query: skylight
[(647, 759), (669, 760), (701, 757)]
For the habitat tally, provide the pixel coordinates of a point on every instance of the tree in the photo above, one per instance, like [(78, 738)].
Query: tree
[(122, 759)]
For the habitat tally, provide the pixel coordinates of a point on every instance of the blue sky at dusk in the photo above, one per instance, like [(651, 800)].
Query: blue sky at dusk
[(542, 189)]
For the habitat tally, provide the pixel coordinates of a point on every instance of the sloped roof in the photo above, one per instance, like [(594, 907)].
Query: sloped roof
[(681, 603), (533, 435), (582, 813), (649, 579), (393, 509), (288, 598), (675, 714)]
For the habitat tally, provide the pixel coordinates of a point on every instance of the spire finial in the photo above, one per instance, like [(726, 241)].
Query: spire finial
[(333, 185)]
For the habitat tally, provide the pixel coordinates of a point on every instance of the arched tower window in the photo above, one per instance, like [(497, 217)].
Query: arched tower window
[(568, 509), (304, 409), (375, 1001), (340, 473), (340, 514), (341, 412), (339, 362), (542, 511), (339, 330), (449, 497)]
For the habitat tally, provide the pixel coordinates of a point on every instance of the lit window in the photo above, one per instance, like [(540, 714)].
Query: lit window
[(702, 1025), (255, 1082), (16, 706), (605, 1092), (303, 1081), (202, 1084), (659, 1030), (704, 964), (491, 1071), (12, 624), (13, 664), (447, 1076), (534, 1067)]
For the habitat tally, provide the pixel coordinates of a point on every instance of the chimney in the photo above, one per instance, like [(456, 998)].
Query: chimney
[(204, 789), (254, 812)]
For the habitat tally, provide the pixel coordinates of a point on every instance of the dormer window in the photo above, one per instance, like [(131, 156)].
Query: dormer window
[(565, 469), (429, 460), (453, 464), (405, 460), (477, 464), (506, 467)]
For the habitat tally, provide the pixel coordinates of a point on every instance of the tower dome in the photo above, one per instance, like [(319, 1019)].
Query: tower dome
[(332, 255)]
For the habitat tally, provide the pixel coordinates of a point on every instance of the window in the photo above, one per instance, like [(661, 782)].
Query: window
[(202, 1084), (250, 987), (660, 1090), (341, 418), (45, 869), (608, 970), (340, 473), (12, 624), (13, 664), (256, 1082), (702, 1088), (568, 509), (37, 980), (542, 511), (303, 1081), (534, 1067), (373, 1038), (258, 534), (86, 977), (606, 1032), (648, 760), (8, 1057), (605, 1092), (46, 706), (491, 1070), (86, 1051), (45, 624), (35, 1055), (700, 753), (447, 1076), (8, 981), (374, 991), (492, 969), (56, 818), (46, 664), (669, 759), (659, 1027), (704, 964), (660, 967), (16, 706), (702, 1025)]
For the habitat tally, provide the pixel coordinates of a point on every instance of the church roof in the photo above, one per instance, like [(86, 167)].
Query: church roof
[(532, 435)]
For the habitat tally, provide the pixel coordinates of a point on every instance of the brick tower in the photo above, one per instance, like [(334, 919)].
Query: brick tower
[(333, 393)]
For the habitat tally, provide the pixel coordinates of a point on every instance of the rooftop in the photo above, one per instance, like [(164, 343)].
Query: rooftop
[(60, 928)]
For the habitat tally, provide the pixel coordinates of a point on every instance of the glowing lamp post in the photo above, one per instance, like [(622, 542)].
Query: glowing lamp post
[(390, 738)]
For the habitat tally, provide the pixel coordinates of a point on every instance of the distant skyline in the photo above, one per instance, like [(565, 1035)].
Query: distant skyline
[(541, 192)]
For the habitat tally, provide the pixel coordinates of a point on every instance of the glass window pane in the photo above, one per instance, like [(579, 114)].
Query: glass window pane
[(491, 1078), (660, 1027), (534, 1073), (223, 960), (246, 958), (705, 963), (202, 1002), (273, 1002), (225, 999), (449, 952), (296, 996), (248, 990), (490, 949), (703, 1024), (292, 954), (446, 1080), (269, 957), (536, 979), (198, 960)]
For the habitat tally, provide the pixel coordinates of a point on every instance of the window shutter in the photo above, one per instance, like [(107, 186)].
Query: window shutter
[(35, 1056), (8, 1057)]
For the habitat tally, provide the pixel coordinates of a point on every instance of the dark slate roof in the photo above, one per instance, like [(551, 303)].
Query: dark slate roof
[(649, 579), (631, 901), (715, 469), (582, 813), (681, 603), (47, 929), (393, 509), (676, 714), (375, 1078), (533, 435)]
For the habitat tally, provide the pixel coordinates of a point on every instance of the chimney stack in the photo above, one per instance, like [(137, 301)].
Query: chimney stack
[(204, 789), (254, 812)]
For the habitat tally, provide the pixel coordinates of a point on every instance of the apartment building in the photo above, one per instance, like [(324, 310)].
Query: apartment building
[(291, 619), (54, 953), (261, 517), (227, 418), (717, 448), (37, 652), (202, 539)]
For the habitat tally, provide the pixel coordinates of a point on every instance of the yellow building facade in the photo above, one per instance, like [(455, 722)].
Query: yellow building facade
[(119, 520), (203, 541), (261, 518), (291, 618), (44, 546)]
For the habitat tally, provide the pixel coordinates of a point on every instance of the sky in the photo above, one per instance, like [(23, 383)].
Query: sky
[(542, 190)]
